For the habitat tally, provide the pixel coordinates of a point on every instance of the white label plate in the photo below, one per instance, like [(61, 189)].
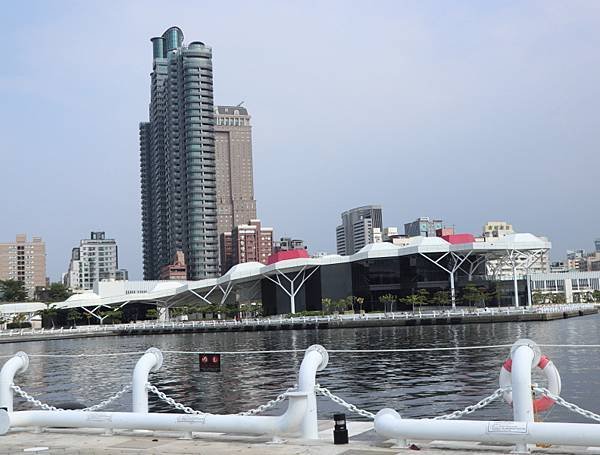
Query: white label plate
[(508, 427)]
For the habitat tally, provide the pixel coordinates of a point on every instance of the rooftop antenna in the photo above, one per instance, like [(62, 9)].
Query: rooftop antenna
[(240, 105)]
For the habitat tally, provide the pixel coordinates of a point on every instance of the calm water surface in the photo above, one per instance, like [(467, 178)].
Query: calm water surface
[(420, 384)]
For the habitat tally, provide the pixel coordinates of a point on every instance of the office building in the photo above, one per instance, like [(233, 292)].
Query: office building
[(422, 226), (357, 228), (95, 259), (246, 243), (177, 158), (597, 245), (233, 151), (24, 261)]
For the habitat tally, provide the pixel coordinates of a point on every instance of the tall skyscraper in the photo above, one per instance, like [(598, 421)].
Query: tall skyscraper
[(24, 261), (235, 187), (177, 151), (357, 228)]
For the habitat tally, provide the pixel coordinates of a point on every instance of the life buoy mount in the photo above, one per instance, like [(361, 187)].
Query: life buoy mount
[(544, 402)]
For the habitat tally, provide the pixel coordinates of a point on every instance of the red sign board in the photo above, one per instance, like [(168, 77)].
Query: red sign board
[(210, 362)]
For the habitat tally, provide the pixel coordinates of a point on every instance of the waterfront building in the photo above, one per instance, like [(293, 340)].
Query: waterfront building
[(356, 229), (246, 243), (95, 259), (177, 270), (423, 226), (576, 287), (24, 261), (378, 269), (288, 248), (497, 229), (235, 185), (177, 156)]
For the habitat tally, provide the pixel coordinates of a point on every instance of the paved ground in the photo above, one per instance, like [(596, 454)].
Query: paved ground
[(363, 441)]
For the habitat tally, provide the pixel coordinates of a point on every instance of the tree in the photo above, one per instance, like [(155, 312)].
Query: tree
[(58, 292), (412, 299), (441, 298), (387, 298), (112, 316), (558, 298), (423, 295), (326, 305), (538, 297), (596, 296), (359, 301), (48, 314), (152, 313), (472, 294), (73, 316), (13, 291)]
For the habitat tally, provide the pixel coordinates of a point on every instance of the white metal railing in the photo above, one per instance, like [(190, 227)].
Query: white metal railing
[(300, 416), (280, 320)]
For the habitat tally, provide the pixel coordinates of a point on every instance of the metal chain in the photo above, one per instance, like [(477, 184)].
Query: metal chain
[(270, 404), (172, 402), (570, 406), (350, 407), (46, 407), (470, 409)]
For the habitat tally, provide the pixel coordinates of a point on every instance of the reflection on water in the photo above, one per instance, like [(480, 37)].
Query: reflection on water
[(415, 384)]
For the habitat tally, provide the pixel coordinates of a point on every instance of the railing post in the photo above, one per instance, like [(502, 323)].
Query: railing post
[(525, 354), (16, 364), (315, 359), (151, 361)]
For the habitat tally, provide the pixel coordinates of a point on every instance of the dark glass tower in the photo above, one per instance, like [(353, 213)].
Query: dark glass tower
[(177, 154)]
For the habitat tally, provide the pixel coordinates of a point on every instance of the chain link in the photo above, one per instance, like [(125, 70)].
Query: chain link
[(172, 402), (350, 407), (46, 407), (470, 409), (570, 406), (270, 404)]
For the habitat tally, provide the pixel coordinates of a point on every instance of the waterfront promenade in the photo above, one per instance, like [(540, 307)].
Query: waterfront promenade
[(363, 441), (397, 319)]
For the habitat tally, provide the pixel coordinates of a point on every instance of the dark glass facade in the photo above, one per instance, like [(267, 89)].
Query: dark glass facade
[(372, 278)]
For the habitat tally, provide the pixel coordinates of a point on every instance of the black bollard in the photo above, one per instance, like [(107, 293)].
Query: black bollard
[(340, 432)]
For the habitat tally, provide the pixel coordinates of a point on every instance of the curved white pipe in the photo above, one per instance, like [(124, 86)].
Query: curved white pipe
[(16, 364), (389, 424), (301, 413), (259, 425), (315, 359), (151, 361)]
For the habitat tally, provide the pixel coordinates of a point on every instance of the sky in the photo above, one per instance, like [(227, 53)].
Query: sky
[(465, 111)]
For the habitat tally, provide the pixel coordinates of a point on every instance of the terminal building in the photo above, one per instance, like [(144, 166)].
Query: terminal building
[(301, 283)]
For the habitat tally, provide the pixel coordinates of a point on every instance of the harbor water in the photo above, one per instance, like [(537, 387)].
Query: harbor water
[(416, 384)]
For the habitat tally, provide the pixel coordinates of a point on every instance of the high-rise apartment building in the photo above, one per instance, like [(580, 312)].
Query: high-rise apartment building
[(24, 261), (357, 228), (246, 243), (177, 157), (95, 259), (235, 184), (422, 226)]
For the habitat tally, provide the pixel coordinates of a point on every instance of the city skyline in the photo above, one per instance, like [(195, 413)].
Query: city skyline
[(523, 112)]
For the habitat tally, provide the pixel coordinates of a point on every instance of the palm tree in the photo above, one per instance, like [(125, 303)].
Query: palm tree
[(385, 299), (48, 313), (326, 305), (73, 316)]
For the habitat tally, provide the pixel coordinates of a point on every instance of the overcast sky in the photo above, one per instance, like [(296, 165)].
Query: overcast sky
[(468, 111)]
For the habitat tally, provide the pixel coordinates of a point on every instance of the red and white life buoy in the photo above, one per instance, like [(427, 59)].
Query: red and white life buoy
[(542, 403)]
